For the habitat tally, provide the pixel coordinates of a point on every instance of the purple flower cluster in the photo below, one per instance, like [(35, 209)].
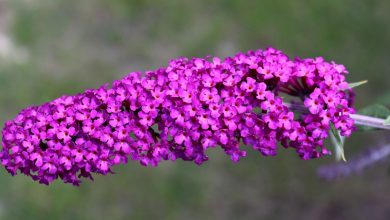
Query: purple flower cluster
[(180, 111)]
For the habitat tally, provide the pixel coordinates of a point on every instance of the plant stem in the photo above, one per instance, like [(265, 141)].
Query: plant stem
[(369, 121), (361, 120)]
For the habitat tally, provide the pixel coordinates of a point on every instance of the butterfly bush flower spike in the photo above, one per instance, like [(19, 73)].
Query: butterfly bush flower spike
[(179, 112)]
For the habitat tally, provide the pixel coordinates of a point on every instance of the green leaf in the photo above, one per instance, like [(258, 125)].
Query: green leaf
[(377, 110), (338, 143), (356, 84)]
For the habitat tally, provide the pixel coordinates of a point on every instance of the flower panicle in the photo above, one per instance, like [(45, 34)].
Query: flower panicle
[(180, 111)]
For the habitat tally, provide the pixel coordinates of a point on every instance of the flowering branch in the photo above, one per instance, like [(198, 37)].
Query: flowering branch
[(182, 110)]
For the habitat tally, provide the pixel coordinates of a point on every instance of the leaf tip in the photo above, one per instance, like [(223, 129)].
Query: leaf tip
[(343, 158), (387, 121), (356, 84)]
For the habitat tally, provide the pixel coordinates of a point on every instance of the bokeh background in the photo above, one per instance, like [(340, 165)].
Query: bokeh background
[(53, 47)]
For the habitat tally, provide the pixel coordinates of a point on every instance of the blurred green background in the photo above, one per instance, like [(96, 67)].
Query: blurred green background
[(53, 47)]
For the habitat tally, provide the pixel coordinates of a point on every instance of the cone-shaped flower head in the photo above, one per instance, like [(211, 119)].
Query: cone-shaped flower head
[(178, 112)]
